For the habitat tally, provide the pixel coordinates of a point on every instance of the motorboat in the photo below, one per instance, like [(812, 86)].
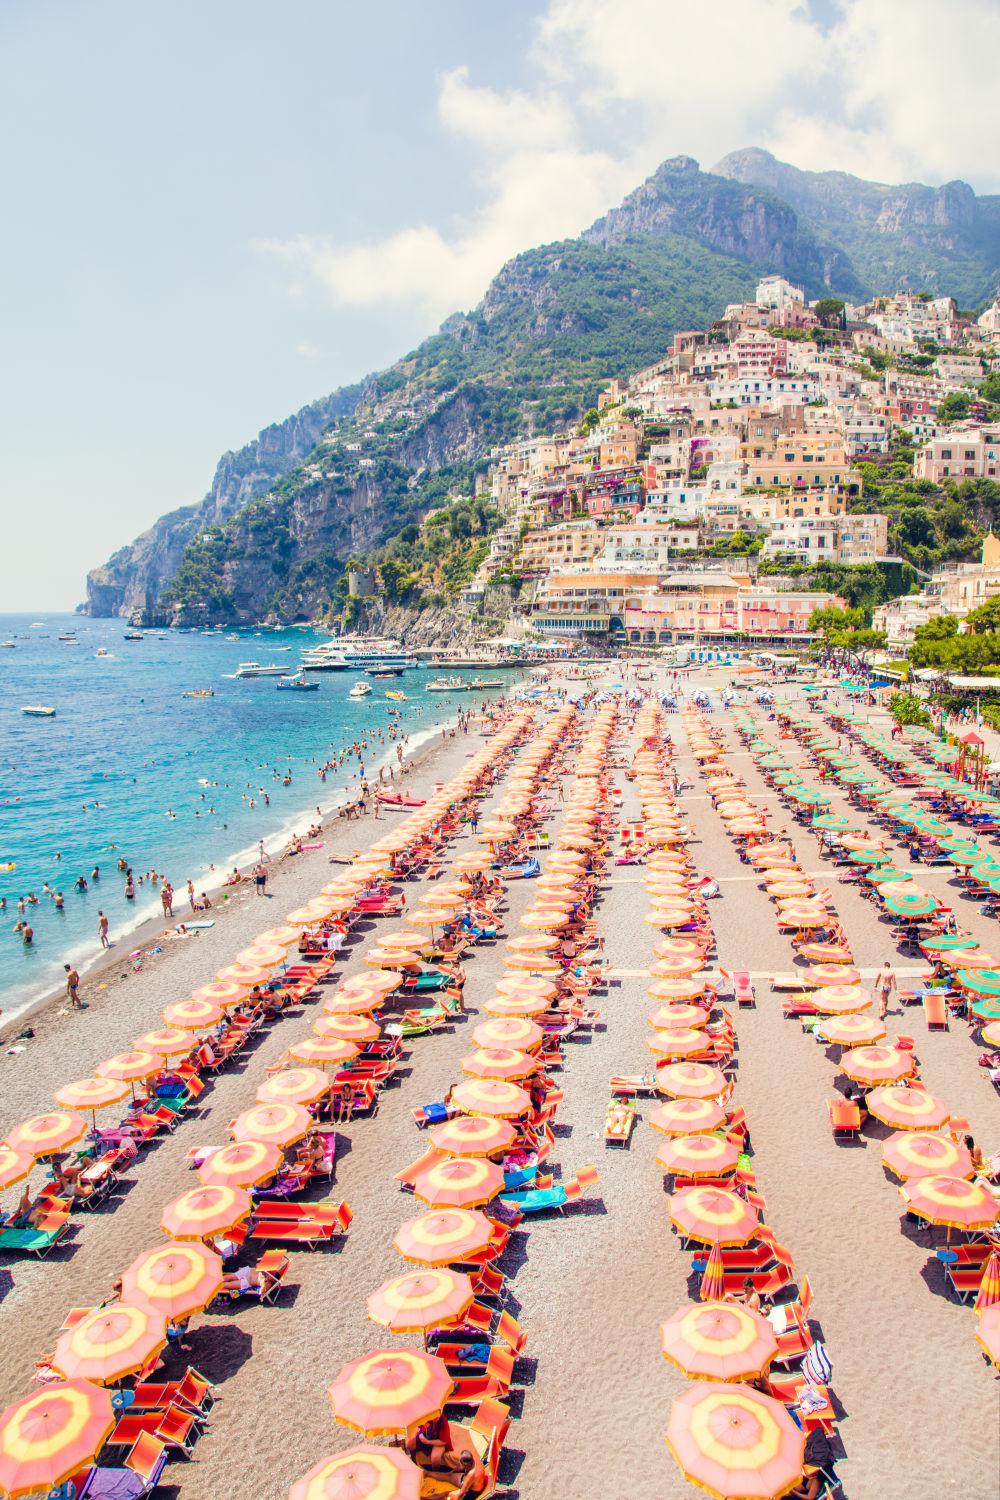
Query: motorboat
[(8, 645), (133, 635), (447, 685), (360, 690), (255, 669), (486, 682), (399, 696), (297, 684), (199, 693), (102, 651), (325, 658), (385, 671), (38, 711)]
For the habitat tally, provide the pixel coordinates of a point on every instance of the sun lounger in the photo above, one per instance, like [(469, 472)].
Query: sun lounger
[(139, 1476), (176, 1427), (935, 1011), (743, 985), (192, 1391), (619, 1121), (39, 1240), (845, 1117)]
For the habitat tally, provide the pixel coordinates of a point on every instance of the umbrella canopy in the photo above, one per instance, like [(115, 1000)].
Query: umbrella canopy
[(421, 1300), (110, 1343), (499, 1062), (687, 1116), (192, 1015), (677, 989), (280, 1124), (444, 1236), (952, 1201), (392, 1391), (906, 904), (987, 1334), (713, 1215), (719, 1341), (877, 1064), (735, 1442), (853, 1030), (978, 982), (509, 1031), (204, 1211), (358, 1029), (243, 1165), (533, 986), (713, 1278), (540, 942), (130, 1066), (989, 1288), (489, 1096), (294, 1086), (362, 1473), (170, 1042), (92, 1093), (691, 1080), (174, 1279), (678, 1041), (922, 1153), (44, 1134), (823, 975), (459, 1182), (223, 992), (472, 1135), (48, 1436), (907, 1109), (14, 1165), (671, 1017), (698, 1156)]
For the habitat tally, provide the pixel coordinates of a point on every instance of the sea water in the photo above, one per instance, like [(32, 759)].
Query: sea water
[(132, 769)]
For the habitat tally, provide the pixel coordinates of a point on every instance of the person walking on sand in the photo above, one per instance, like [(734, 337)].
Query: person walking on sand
[(102, 930), (72, 986), (885, 983), (260, 878)]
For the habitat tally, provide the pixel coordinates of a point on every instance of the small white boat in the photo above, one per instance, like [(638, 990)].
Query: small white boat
[(102, 651), (255, 669), (448, 685), (38, 711), (9, 645), (360, 690), (486, 682)]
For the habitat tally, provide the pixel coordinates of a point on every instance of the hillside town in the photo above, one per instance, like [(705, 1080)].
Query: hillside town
[(749, 440)]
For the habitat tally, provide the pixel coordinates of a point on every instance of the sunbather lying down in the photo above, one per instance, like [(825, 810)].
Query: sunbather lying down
[(238, 1283), (617, 1119), (429, 1447)]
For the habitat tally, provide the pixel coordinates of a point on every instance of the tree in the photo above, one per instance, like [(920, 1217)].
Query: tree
[(831, 620), (830, 311), (954, 407), (906, 709)]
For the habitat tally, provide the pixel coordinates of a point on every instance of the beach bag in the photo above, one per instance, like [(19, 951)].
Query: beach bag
[(816, 1366)]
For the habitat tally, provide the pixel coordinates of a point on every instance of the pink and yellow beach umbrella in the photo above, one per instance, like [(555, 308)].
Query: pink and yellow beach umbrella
[(244, 1164), (733, 1441), (509, 1031), (174, 1279), (493, 1097), (246, 975), (952, 1201), (205, 1211), (192, 1015), (323, 1052), (459, 1182), (678, 1042), (43, 1135), (357, 1029), (698, 1156), (719, 1341), (223, 992), (687, 1116), (713, 1215), (444, 1236), (129, 1067), (871, 1065), (691, 1080), (907, 1108), (923, 1153), (472, 1135), (853, 1030), (294, 1086), (499, 1062), (110, 1343), (281, 1124), (672, 1017), (14, 1165), (362, 1473), (170, 1042), (390, 1392), (91, 1093), (49, 1436), (421, 1300)]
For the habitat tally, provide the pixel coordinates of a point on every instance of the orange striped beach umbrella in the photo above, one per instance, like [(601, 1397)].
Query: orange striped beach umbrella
[(443, 1236), (170, 1042), (411, 942), (459, 1182), (685, 947), (91, 1093), (280, 1124), (246, 975), (924, 1153), (871, 1065), (192, 1015), (534, 985), (46, 1437), (678, 1041), (670, 1017), (278, 937), (294, 1086), (421, 1300), (262, 955), (493, 1097), (224, 992), (509, 1031), (687, 1116), (356, 1002), (676, 968), (203, 1211), (989, 1288), (691, 1080), (392, 1391), (535, 963), (698, 1156), (129, 1067), (14, 1165), (733, 1441), (907, 1108), (829, 974), (713, 1279), (841, 999), (44, 1134), (174, 1279), (472, 1135), (362, 1473), (110, 1343), (499, 1062), (514, 1005), (243, 1164), (719, 1341), (356, 1029), (323, 1052), (390, 958), (541, 942), (677, 989), (853, 1030), (988, 1333), (951, 1201), (713, 1216)]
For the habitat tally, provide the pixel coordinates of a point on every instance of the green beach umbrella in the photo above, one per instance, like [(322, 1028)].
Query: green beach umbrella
[(987, 870), (900, 904), (866, 856), (886, 874), (833, 823), (980, 981)]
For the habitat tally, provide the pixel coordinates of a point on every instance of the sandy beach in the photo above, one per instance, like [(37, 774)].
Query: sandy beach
[(592, 1392)]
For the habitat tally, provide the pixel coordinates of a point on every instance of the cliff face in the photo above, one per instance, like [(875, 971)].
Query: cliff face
[(132, 580)]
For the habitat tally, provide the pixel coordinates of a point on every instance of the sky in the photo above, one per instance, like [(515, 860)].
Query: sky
[(217, 212)]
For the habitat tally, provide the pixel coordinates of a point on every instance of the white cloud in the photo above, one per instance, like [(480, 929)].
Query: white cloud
[(610, 91)]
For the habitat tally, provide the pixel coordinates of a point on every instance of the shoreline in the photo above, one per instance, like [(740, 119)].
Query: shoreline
[(147, 933)]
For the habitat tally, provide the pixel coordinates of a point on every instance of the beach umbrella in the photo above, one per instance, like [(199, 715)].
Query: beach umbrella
[(979, 982), (245, 974), (678, 989), (192, 1015), (676, 968), (691, 1080), (989, 1288), (852, 1030), (713, 1278), (499, 1062), (713, 1215), (841, 999), (672, 947), (459, 1182), (545, 968), (989, 1036), (390, 958), (52, 1434), (541, 942), (509, 1031), (92, 1094), (687, 1116), (907, 1108), (357, 1029), (267, 956), (829, 974), (421, 1300), (204, 1211), (129, 1067), (14, 1165), (493, 1097), (678, 1041), (168, 1043), (833, 823), (923, 1153), (224, 992), (472, 1135), (362, 1473), (887, 875), (282, 937), (356, 1002), (674, 1016), (787, 888), (871, 1065), (174, 1279), (443, 1236), (988, 1333), (905, 904), (719, 1341), (110, 1343), (515, 1005), (698, 1156), (390, 1392), (278, 1124), (951, 1201), (965, 958), (406, 942), (322, 1052), (673, 916), (43, 1135), (244, 1164), (734, 1442)]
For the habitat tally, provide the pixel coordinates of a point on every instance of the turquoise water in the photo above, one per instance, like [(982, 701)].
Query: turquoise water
[(131, 768)]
